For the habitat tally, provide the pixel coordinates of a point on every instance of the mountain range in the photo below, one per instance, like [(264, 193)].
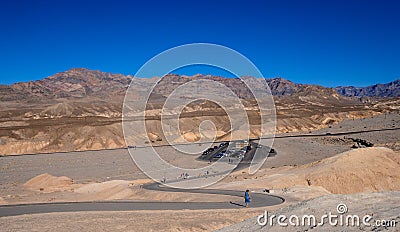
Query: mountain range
[(391, 89), (81, 82), (81, 109)]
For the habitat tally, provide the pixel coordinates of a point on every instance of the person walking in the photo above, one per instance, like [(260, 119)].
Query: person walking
[(247, 198)]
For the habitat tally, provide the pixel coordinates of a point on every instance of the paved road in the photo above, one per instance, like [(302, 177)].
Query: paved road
[(276, 136), (258, 200)]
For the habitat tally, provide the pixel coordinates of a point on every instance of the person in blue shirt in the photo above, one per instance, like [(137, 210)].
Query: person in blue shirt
[(247, 198)]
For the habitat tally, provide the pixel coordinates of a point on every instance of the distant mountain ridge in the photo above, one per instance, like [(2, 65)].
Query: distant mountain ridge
[(391, 89), (81, 109), (81, 82), (76, 82)]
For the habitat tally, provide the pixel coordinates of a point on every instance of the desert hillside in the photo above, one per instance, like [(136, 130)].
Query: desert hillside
[(80, 109), (354, 171)]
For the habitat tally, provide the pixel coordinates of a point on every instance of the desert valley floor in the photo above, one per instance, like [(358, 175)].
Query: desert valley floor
[(302, 169)]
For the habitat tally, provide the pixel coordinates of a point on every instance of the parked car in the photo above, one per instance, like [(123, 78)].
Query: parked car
[(219, 155), (224, 144)]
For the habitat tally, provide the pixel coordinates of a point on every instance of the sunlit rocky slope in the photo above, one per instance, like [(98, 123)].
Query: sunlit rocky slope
[(80, 109)]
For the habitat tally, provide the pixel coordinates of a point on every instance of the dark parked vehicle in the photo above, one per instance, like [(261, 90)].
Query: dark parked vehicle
[(248, 148), (219, 155), (224, 144), (208, 151)]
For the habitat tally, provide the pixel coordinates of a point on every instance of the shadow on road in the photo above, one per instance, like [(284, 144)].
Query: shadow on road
[(234, 203)]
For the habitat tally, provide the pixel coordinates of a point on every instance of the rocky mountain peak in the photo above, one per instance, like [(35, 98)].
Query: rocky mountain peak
[(391, 89), (82, 82)]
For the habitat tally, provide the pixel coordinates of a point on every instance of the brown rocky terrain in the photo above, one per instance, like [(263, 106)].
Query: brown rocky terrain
[(74, 83), (391, 89), (80, 109), (303, 169), (375, 171)]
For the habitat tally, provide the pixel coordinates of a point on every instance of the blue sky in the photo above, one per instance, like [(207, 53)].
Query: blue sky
[(320, 42)]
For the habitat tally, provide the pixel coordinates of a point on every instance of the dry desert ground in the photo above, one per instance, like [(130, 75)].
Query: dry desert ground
[(304, 168)]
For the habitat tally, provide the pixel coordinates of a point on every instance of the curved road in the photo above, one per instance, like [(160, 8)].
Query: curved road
[(258, 200)]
